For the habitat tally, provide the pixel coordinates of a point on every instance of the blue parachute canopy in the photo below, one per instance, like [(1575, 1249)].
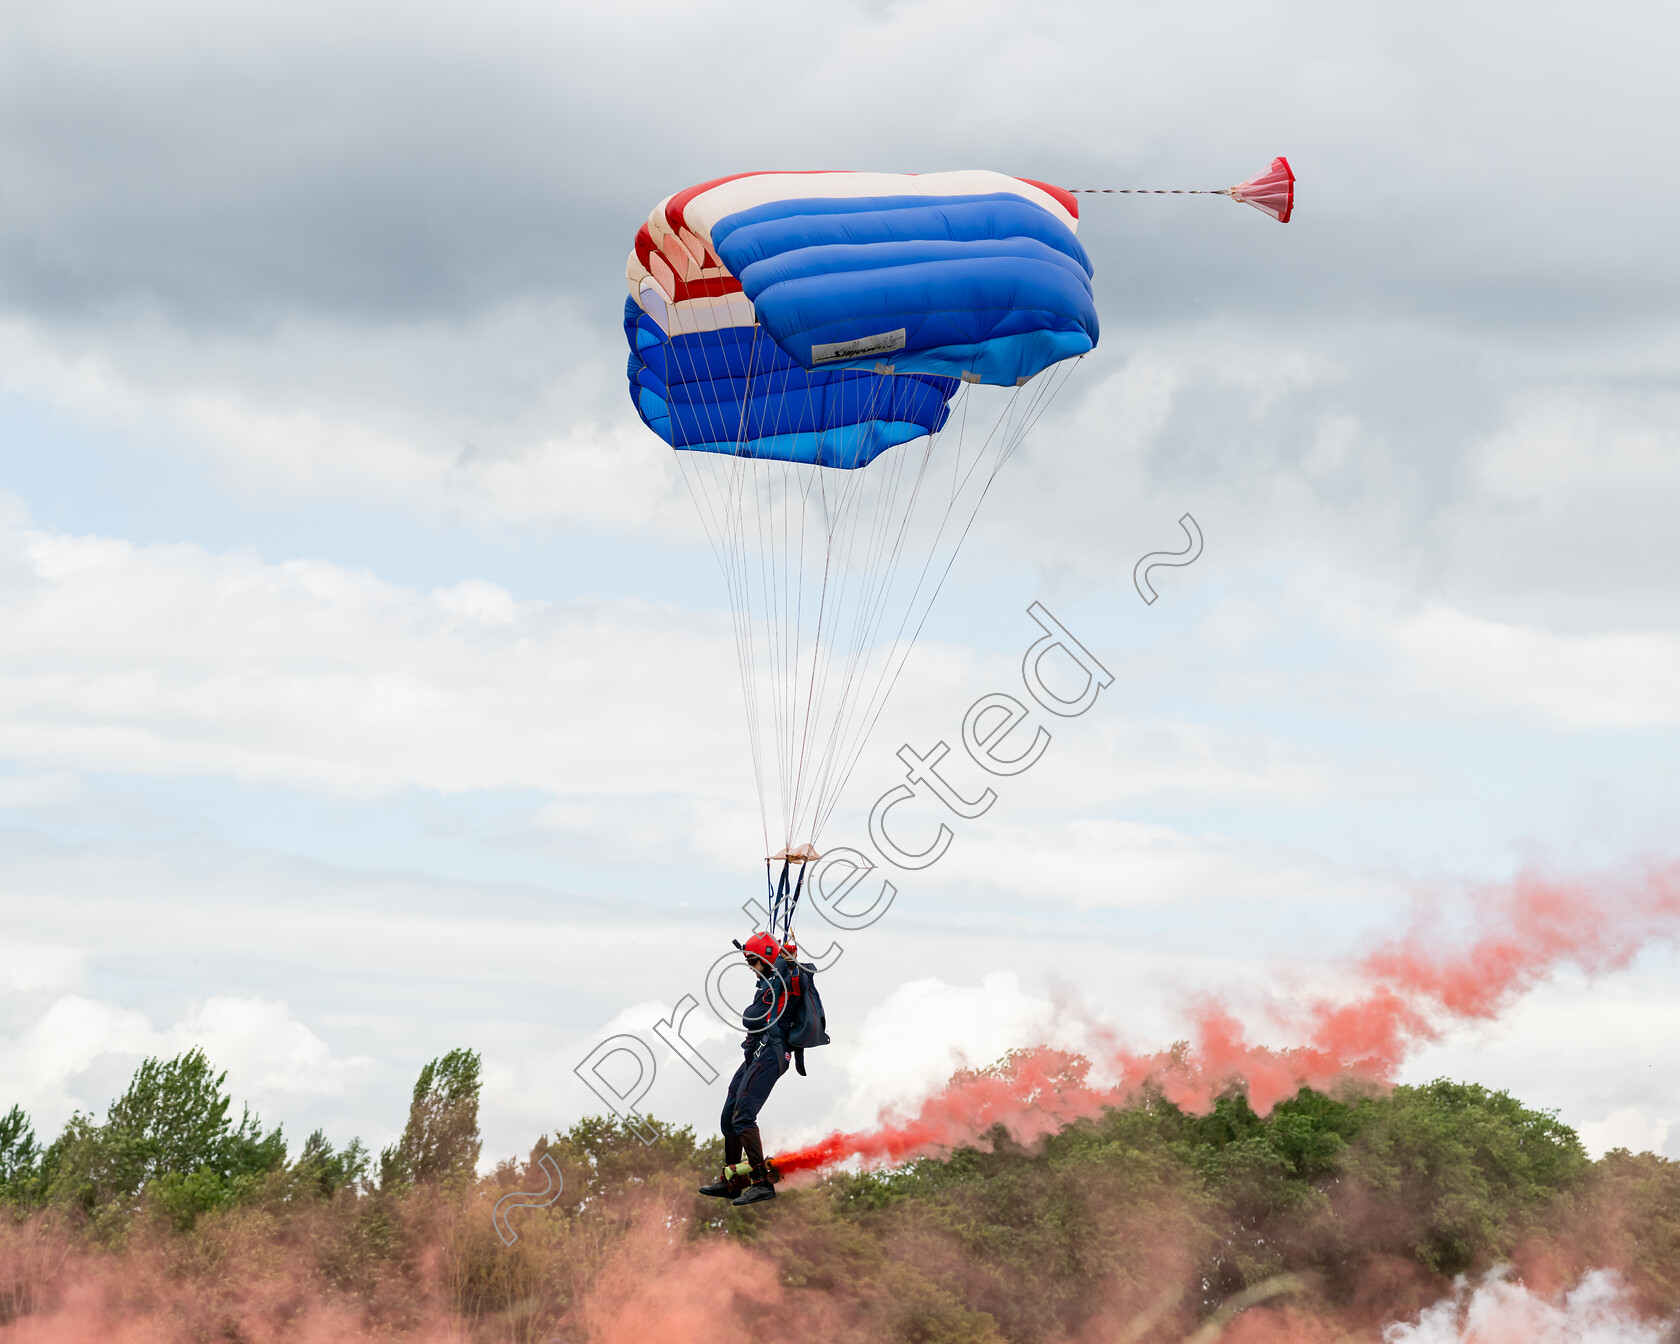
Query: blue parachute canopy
[(988, 286), (736, 391), (826, 317)]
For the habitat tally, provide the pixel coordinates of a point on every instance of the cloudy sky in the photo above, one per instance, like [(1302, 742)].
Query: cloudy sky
[(366, 685)]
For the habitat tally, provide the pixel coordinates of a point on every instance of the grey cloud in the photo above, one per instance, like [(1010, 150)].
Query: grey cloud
[(1413, 461), (202, 197), (371, 161)]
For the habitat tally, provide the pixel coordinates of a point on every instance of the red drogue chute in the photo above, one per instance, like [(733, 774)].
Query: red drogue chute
[(1272, 191)]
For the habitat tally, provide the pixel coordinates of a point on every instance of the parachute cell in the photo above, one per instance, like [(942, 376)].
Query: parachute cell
[(991, 286), (782, 282)]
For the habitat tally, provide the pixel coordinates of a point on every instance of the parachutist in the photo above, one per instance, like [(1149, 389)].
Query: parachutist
[(784, 1019), (764, 1061)]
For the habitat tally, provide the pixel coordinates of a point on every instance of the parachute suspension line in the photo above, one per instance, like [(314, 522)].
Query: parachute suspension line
[(888, 552), (891, 546), (784, 589), (839, 496), (877, 575), (796, 715), (1037, 405), (767, 493), (885, 549), (815, 670), (740, 600), (736, 472), (769, 565), (782, 604), (835, 510), (721, 518), (847, 647), (845, 757), (798, 709), (814, 678)]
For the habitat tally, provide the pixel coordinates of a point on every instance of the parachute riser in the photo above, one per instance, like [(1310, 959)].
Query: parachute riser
[(784, 898)]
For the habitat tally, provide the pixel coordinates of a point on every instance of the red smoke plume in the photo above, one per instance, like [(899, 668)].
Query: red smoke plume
[(1406, 994)]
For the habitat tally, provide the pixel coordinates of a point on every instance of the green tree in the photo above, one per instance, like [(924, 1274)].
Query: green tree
[(321, 1171), (440, 1143), (1634, 1223), (1150, 1212), (600, 1157), (20, 1157), (1454, 1173), (170, 1131)]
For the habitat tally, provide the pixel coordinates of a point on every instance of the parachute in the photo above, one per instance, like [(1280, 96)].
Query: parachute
[(843, 362), (1271, 193)]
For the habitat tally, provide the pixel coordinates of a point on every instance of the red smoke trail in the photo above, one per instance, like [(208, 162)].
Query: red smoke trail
[(1408, 992)]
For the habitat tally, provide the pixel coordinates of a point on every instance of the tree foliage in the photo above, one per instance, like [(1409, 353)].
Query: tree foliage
[(440, 1144), (1359, 1206), (1406, 1188), (20, 1156), (322, 1171), (168, 1148), (169, 1137), (600, 1157)]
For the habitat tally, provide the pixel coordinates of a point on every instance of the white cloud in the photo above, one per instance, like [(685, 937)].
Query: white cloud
[(42, 1059), (267, 1053), (1629, 1127), (272, 1060), (1596, 1050), (1088, 863), (170, 660), (1466, 665), (33, 968), (427, 422), (39, 791)]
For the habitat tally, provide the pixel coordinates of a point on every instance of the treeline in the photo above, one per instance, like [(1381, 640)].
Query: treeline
[(169, 1152), (1326, 1218)]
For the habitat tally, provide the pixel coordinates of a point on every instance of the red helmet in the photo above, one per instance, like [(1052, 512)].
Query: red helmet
[(762, 946)]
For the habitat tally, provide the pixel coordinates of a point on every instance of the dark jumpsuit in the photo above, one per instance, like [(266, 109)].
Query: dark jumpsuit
[(765, 1057)]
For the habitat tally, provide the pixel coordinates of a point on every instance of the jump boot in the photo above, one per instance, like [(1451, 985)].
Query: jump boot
[(762, 1174), (733, 1180)]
